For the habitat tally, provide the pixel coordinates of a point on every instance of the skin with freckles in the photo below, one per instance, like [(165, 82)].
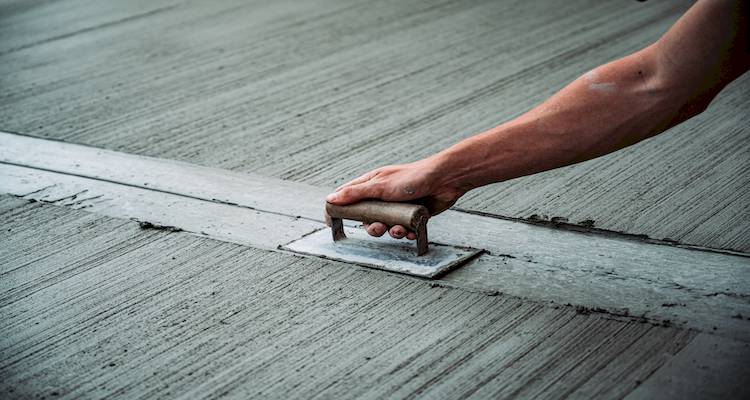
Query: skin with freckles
[(611, 107)]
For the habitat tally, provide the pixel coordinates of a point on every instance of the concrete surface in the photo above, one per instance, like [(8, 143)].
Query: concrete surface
[(624, 277), (317, 92), (321, 91), (95, 307), (713, 356)]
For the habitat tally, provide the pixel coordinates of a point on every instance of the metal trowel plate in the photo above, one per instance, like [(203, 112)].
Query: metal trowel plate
[(383, 253)]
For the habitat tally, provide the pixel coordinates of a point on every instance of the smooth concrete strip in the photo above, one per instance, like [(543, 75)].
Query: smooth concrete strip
[(709, 291), (157, 210), (255, 191)]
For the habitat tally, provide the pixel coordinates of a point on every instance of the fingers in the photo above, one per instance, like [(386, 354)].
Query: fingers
[(397, 231), (376, 229), (363, 178), (353, 194)]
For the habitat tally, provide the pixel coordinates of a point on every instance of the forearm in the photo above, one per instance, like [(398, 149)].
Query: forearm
[(604, 110), (612, 106)]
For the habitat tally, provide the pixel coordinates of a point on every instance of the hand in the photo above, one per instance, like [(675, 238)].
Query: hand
[(417, 180)]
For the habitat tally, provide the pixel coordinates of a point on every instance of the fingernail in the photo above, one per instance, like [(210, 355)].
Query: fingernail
[(332, 197)]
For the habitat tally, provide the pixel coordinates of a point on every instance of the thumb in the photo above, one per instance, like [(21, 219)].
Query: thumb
[(352, 194), (436, 205)]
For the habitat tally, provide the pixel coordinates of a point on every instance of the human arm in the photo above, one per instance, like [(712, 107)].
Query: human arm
[(611, 107)]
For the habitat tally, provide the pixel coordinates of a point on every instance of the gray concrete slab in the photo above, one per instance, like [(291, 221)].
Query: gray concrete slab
[(98, 307), (25, 24), (623, 277), (700, 371), (276, 88), (95, 307)]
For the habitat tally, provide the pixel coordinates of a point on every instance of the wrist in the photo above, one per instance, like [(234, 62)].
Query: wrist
[(451, 171), (478, 160)]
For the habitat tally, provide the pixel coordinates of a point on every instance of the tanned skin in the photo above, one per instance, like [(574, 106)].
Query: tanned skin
[(608, 108)]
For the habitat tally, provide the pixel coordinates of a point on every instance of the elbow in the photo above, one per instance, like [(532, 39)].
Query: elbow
[(674, 94), (688, 90)]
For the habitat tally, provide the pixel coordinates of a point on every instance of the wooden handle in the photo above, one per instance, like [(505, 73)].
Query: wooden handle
[(412, 216), (389, 213)]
